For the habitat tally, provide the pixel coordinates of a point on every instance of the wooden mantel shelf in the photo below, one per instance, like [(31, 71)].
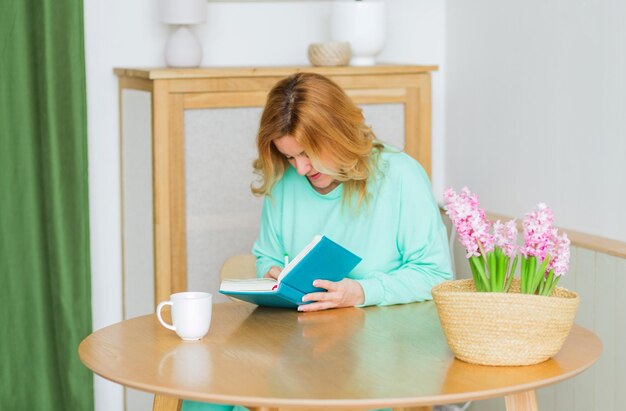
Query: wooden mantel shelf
[(213, 72)]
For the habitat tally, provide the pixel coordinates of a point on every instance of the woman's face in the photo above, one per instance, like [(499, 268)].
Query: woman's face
[(294, 153)]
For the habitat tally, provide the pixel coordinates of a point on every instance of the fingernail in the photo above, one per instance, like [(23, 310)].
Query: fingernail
[(300, 308), (315, 283)]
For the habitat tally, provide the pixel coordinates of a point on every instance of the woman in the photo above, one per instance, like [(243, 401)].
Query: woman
[(322, 171)]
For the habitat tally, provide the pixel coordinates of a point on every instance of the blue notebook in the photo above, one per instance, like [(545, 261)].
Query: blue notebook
[(321, 259)]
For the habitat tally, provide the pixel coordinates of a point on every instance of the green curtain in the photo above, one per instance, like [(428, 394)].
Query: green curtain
[(45, 287)]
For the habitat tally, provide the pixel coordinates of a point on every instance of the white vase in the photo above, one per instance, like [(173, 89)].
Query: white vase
[(363, 25)]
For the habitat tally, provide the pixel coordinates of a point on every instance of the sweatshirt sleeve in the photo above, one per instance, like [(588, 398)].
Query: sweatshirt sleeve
[(422, 242), (268, 248)]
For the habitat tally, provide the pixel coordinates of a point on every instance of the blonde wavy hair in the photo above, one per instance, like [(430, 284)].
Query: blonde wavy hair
[(329, 127)]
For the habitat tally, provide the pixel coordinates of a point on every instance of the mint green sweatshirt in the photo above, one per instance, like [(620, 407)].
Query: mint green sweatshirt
[(398, 233)]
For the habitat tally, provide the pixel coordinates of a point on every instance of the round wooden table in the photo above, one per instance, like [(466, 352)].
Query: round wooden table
[(353, 358)]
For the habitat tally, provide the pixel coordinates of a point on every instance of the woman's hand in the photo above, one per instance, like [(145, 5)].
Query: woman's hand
[(344, 293), (273, 272)]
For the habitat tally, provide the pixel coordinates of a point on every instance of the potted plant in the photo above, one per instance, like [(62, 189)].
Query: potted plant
[(496, 318)]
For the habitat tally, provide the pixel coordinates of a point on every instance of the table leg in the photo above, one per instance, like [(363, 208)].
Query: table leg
[(522, 401), (166, 403)]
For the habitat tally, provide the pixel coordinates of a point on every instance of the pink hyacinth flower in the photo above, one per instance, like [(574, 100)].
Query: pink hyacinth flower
[(538, 232), (560, 251), (469, 221), (505, 237)]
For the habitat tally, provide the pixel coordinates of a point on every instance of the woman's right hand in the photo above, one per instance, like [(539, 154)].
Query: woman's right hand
[(273, 272)]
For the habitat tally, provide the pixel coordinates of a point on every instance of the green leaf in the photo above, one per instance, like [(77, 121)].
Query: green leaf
[(511, 274), (477, 281), (503, 268), (523, 274), (546, 285), (532, 270), (553, 285), (491, 260), (481, 272), (539, 275)]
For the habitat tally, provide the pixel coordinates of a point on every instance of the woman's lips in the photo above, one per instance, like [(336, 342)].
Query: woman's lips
[(315, 176)]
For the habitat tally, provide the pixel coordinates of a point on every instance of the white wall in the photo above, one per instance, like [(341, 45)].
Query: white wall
[(416, 31), (117, 33), (128, 34), (535, 108)]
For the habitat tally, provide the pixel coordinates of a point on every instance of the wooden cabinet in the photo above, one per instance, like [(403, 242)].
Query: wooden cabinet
[(187, 146)]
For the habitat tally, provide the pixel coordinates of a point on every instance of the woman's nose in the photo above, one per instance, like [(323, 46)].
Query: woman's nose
[(303, 165)]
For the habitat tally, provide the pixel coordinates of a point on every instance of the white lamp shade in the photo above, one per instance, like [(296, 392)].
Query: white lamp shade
[(183, 11)]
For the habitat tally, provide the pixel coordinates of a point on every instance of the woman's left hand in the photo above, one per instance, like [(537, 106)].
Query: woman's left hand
[(344, 293)]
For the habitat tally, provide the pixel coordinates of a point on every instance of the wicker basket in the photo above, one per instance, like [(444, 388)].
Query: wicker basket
[(329, 54), (503, 328)]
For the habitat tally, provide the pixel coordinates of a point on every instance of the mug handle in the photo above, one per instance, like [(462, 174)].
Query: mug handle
[(161, 320)]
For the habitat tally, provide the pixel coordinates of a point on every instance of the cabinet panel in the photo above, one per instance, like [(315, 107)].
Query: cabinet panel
[(222, 214), (137, 217), (387, 122)]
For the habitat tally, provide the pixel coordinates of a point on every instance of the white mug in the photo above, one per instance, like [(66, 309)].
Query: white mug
[(191, 314)]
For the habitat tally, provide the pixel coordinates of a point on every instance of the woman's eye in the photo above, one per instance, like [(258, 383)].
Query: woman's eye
[(289, 158)]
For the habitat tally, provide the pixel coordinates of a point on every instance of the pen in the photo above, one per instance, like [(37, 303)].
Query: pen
[(286, 259)]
